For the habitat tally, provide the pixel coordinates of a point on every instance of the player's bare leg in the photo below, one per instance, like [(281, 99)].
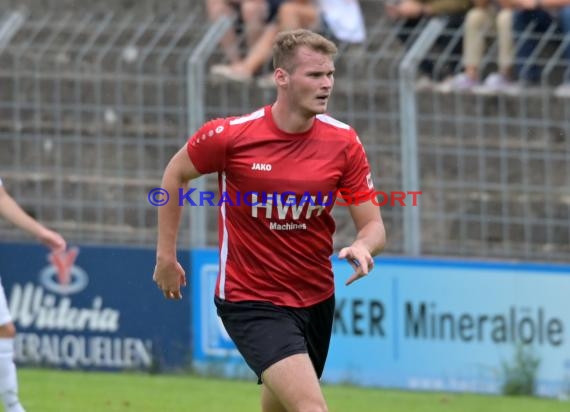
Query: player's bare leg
[(8, 378), (295, 385), (269, 403)]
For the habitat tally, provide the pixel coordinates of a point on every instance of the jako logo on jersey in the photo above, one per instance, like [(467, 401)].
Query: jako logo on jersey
[(261, 166), (62, 276)]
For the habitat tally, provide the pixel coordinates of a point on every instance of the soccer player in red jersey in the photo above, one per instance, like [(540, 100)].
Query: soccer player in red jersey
[(275, 288)]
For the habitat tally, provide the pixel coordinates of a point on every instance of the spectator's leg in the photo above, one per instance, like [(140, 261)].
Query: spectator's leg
[(445, 68), (289, 16), (261, 51), (565, 26), (453, 28), (229, 43), (293, 15), (244, 70), (254, 14), (540, 21), (409, 32), (477, 22), (505, 42)]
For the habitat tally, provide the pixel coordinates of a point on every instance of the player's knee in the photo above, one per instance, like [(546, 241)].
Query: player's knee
[(7, 330)]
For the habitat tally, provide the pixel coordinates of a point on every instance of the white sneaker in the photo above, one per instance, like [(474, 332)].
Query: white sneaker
[(266, 81), (227, 72), (424, 83), (458, 83), (517, 89), (495, 83), (563, 91)]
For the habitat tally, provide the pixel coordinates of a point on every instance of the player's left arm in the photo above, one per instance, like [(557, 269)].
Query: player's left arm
[(13, 213), (370, 239)]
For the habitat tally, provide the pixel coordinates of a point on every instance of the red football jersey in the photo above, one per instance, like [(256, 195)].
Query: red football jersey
[(278, 189)]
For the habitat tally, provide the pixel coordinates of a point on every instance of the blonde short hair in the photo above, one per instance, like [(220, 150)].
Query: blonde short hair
[(287, 42)]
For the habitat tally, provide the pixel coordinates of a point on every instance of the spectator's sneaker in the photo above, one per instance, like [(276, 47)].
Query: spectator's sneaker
[(563, 91), (458, 83), (228, 72), (265, 81), (424, 83), (519, 88), (495, 83)]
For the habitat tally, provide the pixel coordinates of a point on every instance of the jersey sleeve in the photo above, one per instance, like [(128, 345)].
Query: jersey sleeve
[(207, 148), (357, 176)]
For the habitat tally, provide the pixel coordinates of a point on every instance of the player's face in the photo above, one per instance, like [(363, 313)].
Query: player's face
[(311, 82)]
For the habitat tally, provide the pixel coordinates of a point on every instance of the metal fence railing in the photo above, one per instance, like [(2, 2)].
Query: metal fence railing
[(494, 168), (92, 105)]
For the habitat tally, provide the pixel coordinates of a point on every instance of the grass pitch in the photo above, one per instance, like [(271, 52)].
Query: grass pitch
[(61, 391)]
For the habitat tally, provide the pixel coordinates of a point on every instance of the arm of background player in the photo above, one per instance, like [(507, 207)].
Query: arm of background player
[(14, 214), (370, 239), (168, 273)]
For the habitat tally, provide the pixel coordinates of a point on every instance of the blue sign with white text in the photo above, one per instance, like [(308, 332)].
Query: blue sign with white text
[(452, 326), (213, 350), (93, 308), (426, 324)]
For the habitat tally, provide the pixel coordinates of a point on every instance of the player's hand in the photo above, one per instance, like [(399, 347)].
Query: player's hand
[(53, 240), (360, 260), (169, 277)]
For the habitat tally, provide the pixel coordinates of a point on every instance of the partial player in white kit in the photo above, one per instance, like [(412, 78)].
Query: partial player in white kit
[(13, 213)]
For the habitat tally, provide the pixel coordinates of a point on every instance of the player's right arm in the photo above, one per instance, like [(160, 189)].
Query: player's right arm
[(168, 273), (13, 213), (205, 152)]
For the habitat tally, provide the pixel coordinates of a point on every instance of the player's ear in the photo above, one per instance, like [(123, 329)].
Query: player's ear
[(281, 77)]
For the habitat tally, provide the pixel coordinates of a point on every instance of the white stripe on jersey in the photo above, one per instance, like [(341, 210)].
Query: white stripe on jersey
[(325, 118), (255, 115), (224, 248)]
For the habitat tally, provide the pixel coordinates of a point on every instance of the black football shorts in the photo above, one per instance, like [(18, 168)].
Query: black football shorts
[(265, 333)]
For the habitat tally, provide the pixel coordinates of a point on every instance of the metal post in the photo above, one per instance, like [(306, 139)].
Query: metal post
[(409, 132), (9, 26), (196, 109)]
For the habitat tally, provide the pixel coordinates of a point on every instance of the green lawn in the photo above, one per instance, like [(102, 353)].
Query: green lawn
[(59, 391)]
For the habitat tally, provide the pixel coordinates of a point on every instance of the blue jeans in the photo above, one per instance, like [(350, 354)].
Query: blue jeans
[(411, 28), (541, 21), (565, 26)]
